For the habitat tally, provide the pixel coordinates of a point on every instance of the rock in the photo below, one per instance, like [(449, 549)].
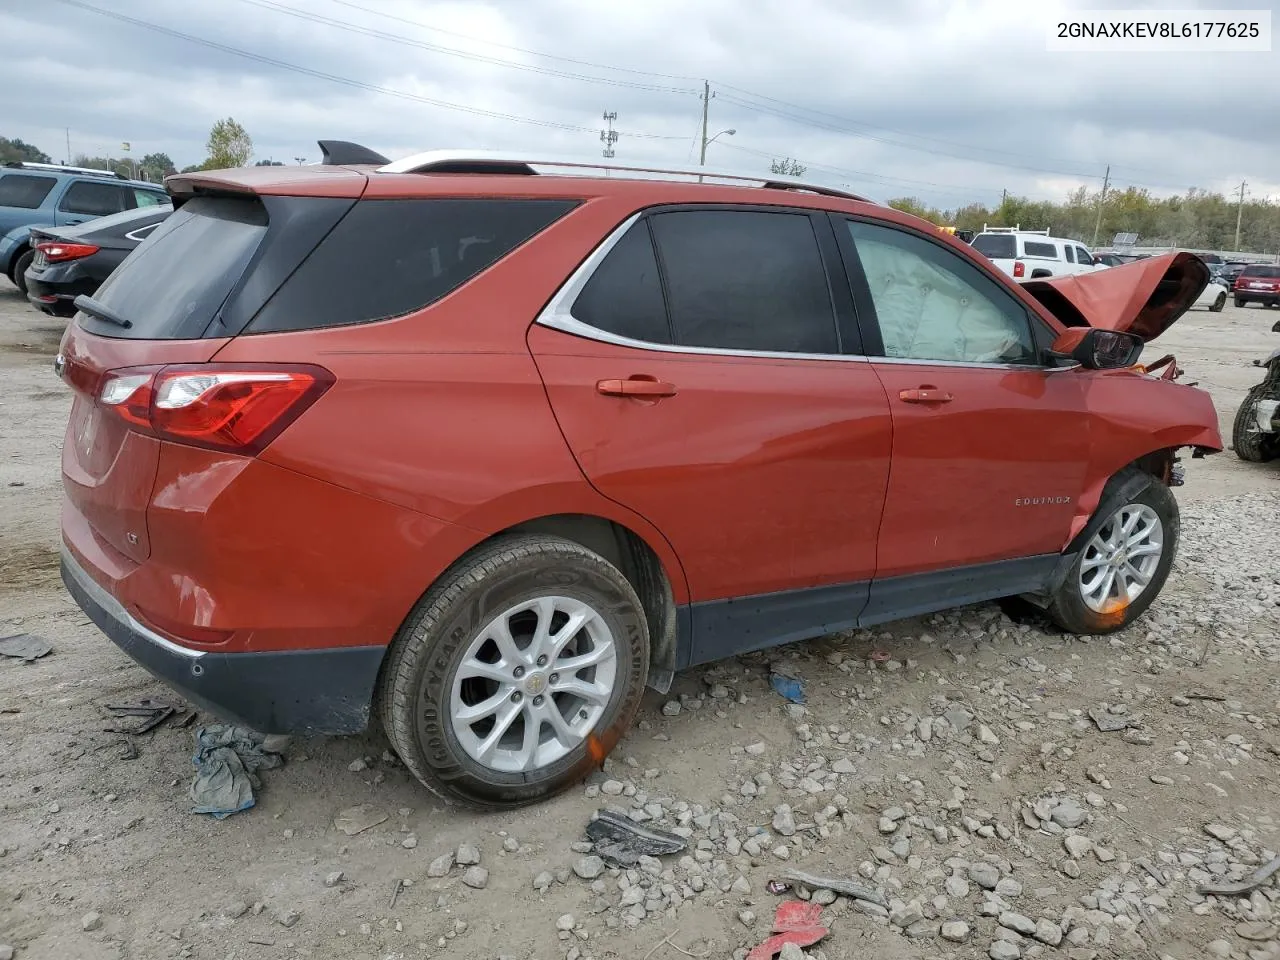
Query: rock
[(986, 736), (440, 866), (782, 851), (511, 845), (1076, 845), (957, 887), (746, 917), (335, 878), (91, 921), (791, 952), (1004, 950), (907, 914), (468, 855), (924, 732), (784, 822), (1220, 832), (984, 875), (1068, 814), (588, 868), (566, 923), (1103, 854), (742, 885), (1008, 887), (359, 818), (1047, 931), (823, 898), (756, 749), (1218, 948), (476, 877), (410, 842), (612, 788), (844, 766), (287, 918), (958, 717), (957, 931), (1016, 921), (542, 882), (671, 708), (1257, 931), (356, 765), (1107, 721), (887, 826), (1138, 738)]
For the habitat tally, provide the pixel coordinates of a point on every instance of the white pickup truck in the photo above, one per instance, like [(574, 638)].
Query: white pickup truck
[(1033, 254)]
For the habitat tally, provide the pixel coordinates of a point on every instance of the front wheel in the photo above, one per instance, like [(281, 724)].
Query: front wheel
[(1219, 303), (1122, 566), (517, 673), (19, 270), (1248, 442)]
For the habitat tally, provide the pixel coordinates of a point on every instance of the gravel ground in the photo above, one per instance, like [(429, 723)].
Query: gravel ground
[(955, 765)]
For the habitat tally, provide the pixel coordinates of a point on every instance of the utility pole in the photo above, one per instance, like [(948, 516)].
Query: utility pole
[(706, 105), (1102, 198), (68, 161), (301, 160), (609, 136), (1239, 213)]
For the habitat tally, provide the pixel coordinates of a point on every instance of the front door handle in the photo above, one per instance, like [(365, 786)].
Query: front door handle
[(925, 395), (636, 386)]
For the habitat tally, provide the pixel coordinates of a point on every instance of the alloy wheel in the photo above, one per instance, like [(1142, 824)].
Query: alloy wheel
[(1121, 559)]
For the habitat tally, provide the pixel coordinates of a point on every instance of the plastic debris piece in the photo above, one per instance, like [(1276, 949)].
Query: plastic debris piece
[(795, 922), (847, 888), (621, 841), (777, 887), (787, 687), (359, 818), (1259, 877), (25, 646)]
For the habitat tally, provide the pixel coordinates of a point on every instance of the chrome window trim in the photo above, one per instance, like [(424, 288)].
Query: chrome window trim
[(558, 315)]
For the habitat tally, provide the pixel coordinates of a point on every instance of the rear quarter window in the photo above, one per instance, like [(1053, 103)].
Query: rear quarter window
[(24, 191), (997, 246), (1034, 248), (386, 258)]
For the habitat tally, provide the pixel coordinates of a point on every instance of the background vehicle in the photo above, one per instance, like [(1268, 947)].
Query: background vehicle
[(1031, 254), (70, 261), (1255, 435), (469, 447), (1231, 271), (1214, 297), (52, 195), (1257, 283)]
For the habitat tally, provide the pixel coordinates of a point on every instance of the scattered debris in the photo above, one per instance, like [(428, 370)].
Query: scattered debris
[(227, 761), (395, 893), (621, 841), (795, 922), (666, 942), (790, 688), (152, 714), (1107, 721), (361, 817), (1260, 876), (847, 888), (25, 647)]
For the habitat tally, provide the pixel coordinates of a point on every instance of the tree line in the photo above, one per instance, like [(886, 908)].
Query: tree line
[(1198, 219)]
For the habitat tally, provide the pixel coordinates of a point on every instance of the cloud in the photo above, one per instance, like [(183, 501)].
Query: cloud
[(947, 100)]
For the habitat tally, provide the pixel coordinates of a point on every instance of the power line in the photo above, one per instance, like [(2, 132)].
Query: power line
[(347, 81), (455, 52)]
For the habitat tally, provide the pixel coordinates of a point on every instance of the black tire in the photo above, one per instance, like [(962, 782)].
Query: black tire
[(1239, 301), (1250, 445), (1219, 303), (1067, 607), (413, 699), (20, 268)]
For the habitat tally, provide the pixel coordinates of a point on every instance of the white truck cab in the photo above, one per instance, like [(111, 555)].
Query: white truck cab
[(1033, 254)]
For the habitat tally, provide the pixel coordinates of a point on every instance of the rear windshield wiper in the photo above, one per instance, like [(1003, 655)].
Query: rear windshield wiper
[(95, 309)]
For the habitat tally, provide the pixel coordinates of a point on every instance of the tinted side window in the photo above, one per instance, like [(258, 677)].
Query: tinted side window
[(94, 199), (149, 198), (997, 246), (1067, 251), (1082, 256), (624, 295), (745, 280), (387, 258), (20, 190), (933, 305), (1035, 249)]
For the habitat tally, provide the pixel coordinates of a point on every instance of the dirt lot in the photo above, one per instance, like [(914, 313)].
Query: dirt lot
[(949, 762)]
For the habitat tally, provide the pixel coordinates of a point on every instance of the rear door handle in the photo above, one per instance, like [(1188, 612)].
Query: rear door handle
[(925, 395), (636, 386)]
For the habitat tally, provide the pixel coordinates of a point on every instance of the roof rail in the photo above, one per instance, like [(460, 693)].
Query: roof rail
[(343, 152), (493, 162), (64, 168), (1014, 229)]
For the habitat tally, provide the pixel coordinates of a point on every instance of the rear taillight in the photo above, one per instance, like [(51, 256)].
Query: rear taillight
[(236, 409), (1019, 268), (55, 252)]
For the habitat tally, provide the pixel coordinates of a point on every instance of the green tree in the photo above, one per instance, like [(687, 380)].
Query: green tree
[(229, 145), (269, 163), (787, 167), (14, 150), (918, 208), (120, 166), (156, 166)]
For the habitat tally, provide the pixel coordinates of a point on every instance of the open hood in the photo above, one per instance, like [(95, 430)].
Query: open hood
[(1143, 298)]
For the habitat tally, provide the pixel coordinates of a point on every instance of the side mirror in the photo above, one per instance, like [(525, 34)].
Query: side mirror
[(1096, 349)]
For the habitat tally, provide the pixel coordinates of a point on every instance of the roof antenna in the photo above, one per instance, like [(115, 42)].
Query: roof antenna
[(343, 152)]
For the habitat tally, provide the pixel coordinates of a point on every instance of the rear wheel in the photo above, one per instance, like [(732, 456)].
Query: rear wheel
[(1219, 303), (1247, 441), (517, 673), (20, 268), (1123, 565), (1239, 301)]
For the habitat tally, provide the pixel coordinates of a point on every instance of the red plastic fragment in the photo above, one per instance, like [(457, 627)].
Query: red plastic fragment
[(795, 922)]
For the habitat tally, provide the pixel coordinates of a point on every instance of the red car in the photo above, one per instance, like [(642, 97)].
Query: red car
[(478, 452), (1257, 283)]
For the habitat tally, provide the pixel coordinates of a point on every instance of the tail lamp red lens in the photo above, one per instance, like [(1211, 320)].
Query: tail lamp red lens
[(236, 409), (1019, 268), (56, 252)]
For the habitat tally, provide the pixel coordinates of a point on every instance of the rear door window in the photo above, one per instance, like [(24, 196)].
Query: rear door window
[(94, 199), (745, 280), (173, 287), (1069, 254), (997, 246), (24, 191), (387, 258), (149, 198)]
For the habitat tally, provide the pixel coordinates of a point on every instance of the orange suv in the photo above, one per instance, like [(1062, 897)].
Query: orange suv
[(481, 447)]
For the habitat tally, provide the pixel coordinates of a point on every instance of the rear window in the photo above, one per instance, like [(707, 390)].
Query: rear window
[(21, 190), (1035, 249), (173, 286), (997, 246), (387, 258), (1262, 271)]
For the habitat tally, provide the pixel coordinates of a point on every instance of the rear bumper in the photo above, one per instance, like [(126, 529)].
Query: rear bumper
[(1257, 296), (327, 691), (62, 286)]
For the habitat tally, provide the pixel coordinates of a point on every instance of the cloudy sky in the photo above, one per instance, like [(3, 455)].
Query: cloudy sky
[(947, 100)]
